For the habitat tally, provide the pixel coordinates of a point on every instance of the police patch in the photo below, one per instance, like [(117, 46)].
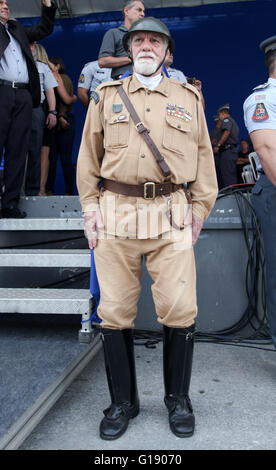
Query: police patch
[(94, 96), (260, 113), (81, 78)]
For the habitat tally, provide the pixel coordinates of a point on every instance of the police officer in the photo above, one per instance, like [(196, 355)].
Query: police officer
[(260, 120), (227, 146), (90, 78), (122, 220)]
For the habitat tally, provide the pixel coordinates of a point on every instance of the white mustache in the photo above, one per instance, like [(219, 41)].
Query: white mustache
[(146, 54)]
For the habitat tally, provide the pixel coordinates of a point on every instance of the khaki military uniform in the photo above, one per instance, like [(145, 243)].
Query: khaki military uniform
[(111, 148)]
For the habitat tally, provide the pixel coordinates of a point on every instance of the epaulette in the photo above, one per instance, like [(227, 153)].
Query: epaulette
[(261, 87), (191, 88), (94, 95), (109, 83)]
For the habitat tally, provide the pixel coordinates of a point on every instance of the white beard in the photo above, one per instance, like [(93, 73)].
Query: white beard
[(145, 66)]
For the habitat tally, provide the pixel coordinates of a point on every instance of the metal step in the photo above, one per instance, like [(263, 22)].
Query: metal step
[(45, 258), (49, 301), (42, 224)]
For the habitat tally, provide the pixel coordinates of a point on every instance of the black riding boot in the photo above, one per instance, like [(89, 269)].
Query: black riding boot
[(177, 365), (121, 377)]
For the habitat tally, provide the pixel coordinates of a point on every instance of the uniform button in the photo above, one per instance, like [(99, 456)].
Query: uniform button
[(178, 127), (148, 110), (148, 92), (143, 155)]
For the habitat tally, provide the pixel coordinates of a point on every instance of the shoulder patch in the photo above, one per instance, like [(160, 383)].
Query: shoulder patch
[(94, 96)]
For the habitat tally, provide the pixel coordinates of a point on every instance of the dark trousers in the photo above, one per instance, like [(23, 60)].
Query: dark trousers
[(228, 167), (32, 181), (63, 147), (15, 127), (264, 202)]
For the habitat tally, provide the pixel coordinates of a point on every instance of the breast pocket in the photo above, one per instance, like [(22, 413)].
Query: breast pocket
[(177, 135), (116, 132)]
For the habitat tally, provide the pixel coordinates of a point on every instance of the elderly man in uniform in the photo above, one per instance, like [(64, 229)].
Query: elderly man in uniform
[(112, 53), (152, 161), (260, 120), (227, 146), (19, 93), (90, 78)]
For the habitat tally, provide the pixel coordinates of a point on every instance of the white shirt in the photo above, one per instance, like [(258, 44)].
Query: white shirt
[(13, 65)]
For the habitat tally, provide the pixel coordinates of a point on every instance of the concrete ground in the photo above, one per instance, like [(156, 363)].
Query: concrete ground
[(232, 391)]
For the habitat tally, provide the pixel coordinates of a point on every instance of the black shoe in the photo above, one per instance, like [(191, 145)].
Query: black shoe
[(116, 419), (13, 213), (121, 378), (177, 363)]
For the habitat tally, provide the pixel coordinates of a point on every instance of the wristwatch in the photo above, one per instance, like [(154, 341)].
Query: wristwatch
[(53, 111)]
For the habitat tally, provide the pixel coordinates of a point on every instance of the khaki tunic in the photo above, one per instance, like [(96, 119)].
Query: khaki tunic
[(112, 148)]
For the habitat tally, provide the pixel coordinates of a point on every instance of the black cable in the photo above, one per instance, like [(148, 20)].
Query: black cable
[(255, 277)]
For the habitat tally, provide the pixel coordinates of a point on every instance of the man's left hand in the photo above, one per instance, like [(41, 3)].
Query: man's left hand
[(46, 3), (197, 224)]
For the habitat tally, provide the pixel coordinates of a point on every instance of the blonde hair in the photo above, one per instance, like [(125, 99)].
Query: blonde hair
[(41, 53)]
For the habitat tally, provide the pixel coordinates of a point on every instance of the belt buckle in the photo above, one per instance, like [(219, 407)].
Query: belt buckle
[(146, 185), (13, 85)]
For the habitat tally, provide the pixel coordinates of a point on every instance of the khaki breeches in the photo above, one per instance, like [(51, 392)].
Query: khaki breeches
[(118, 266)]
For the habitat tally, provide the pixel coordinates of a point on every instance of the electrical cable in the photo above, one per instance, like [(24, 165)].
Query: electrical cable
[(254, 282)]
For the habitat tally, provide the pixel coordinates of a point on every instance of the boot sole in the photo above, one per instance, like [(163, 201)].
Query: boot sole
[(181, 434)]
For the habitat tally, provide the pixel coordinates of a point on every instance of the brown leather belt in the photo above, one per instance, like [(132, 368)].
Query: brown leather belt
[(148, 190)]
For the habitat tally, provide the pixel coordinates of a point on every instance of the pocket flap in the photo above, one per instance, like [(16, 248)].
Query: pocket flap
[(178, 123)]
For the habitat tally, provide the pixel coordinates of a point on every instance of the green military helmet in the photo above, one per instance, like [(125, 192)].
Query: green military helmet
[(149, 24)]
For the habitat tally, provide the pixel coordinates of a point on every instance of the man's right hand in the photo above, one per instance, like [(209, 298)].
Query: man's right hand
[(92, 222)]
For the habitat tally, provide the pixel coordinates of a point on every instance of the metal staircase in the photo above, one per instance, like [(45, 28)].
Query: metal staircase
[(49, 215)]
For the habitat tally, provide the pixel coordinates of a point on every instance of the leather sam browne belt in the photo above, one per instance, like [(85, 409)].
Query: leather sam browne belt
[(148, 190)]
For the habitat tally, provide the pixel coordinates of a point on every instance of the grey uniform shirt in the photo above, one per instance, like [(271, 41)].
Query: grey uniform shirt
[(112, 45), (13, 66), (46, 78), (92, 76), (176, 75), (229, 124)]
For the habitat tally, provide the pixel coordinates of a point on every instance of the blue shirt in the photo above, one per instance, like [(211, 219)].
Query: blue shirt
[(13, 65), (260, 108), (92, 76)]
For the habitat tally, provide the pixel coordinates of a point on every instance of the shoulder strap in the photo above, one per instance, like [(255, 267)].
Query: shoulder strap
[(143, 131)]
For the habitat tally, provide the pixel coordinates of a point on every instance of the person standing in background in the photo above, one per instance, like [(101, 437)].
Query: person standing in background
[(19, 93), (90, 78), (112, 53)]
